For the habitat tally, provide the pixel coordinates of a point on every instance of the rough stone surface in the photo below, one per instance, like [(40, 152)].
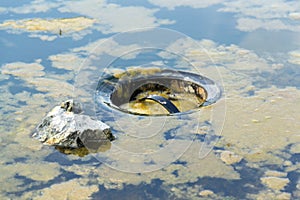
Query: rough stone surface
[(64, 126)]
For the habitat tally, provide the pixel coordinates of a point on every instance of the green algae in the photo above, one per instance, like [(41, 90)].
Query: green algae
[(269, 115)]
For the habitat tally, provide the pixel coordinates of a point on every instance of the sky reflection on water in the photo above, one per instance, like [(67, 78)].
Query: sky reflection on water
[(256, 48)]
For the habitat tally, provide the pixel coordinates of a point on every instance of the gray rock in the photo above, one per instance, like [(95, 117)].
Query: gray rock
[(64, 126)]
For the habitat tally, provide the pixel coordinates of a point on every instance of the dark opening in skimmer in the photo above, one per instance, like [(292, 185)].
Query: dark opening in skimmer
[(157, 91)]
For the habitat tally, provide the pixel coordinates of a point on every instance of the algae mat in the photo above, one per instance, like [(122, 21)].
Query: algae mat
[(260, 131), (256, 156)]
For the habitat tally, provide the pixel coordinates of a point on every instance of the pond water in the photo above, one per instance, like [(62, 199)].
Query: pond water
[(244, 146)]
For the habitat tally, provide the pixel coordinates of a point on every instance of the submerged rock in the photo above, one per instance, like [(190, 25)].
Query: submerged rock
[(65, 126)]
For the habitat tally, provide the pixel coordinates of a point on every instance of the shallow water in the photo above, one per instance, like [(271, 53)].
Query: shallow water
[(244, 146)]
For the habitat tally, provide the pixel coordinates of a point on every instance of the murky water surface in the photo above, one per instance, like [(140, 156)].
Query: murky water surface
[(244, 146)]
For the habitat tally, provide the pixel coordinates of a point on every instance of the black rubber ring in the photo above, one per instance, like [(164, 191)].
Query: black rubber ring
[(167, 104)]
